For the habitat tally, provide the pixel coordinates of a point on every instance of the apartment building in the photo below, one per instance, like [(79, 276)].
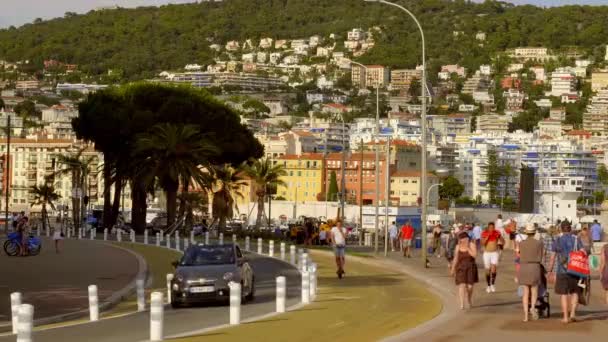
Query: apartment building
[(220, 79), (27, 85), (563, 82), (514, 99), (451, 124), (550, 127), (493, 123), (406, 188), (531, 53), (376, 76), (359, 167), (595, 118), (402, 78), (599, 80), (304, 180)]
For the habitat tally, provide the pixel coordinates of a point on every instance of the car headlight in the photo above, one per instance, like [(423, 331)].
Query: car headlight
[(179, 278), (175, 287), (228, 276)]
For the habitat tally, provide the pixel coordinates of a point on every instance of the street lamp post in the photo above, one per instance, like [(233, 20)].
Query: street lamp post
[(342, 179), (423, 124)]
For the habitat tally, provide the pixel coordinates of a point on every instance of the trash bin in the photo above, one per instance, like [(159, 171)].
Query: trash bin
[(418, 243)]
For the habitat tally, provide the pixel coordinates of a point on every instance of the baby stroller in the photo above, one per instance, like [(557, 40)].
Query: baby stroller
[(542, 302)]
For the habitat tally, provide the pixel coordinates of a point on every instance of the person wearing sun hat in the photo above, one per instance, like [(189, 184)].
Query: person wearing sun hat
[(530, 257)]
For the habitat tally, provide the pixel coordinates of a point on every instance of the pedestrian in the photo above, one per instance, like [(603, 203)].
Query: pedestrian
[(585, 240), (338, 239), (596, 231), (393, 234), (490, 240), (530, 254), (464, 269), (24, 230), (57, 238), (450, 246), (604, 270), (322, 236), (437, 240), (566, 285), (477, 235), (407, 234)]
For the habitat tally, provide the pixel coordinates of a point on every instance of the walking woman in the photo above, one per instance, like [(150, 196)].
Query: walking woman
[(464, 269), (57, 237), (531, 254), (604, 270)]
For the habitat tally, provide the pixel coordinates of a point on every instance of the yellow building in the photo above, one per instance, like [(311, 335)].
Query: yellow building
[(304, 180), (406, 188), (599, 80)]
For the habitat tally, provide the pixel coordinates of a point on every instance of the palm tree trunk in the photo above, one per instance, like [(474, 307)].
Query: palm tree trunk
[(184, 206), (171, 205), (118, 189), (44, 216), (258, 221), (75, 200), (138, 215), (107, 197)]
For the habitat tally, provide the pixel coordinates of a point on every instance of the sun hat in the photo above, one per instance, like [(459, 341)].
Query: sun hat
[(530, 228)]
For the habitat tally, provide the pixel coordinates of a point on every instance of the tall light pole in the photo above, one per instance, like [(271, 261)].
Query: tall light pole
[(387, 193), (377, 164), (342, 179), (423, 134)]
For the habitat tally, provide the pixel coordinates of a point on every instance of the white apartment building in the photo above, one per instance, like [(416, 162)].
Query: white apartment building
[(493, 123), (538, 53), (451, 124), (558, 114), (266, 43), (539, 73), (376, 76), (356, 34), (563, 82), (402, 78), (595, 118), (550, 127), (514, 99)]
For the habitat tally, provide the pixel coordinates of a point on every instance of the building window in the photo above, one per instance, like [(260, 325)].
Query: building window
[(392, 181), (405, 181), (414, 181), (412, 164)]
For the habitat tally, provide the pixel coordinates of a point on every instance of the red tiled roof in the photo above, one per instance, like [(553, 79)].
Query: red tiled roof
[(579, 132), (336, 105), (304, 156)]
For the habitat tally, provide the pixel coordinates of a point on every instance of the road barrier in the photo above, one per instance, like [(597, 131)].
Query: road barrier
[(157, 316), (281, 293), (271, 248), (259, 245), (169, 279), (15, 304), (141, 295), (292, 254), (93, 303), (305, 287), (26, 323), (235, 303)]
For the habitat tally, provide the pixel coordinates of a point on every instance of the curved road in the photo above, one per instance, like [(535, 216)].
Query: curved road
[(56, 284), (135, 327)]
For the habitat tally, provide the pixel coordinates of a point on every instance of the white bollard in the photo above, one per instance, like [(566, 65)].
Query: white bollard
[(292, 254), (93, 303), (282, 250), (177, 242), (271, 248), (105, 234), (169, 279), (158, 235), (192, 236), (48, 231), (305, 287), (156, 316), (132, 236), (141, 295), (79, 233), (221, 238), (26, 323), (69, 233), (37, 231), (247, 243), (234, 238), (304, 266), (281, 293), (168, 241), (92, 234), (15, 304), (162, 236), (259, 245), (206, 237), (145, 237), (119, 235), (313, 281), (235, 303), (186, 244)]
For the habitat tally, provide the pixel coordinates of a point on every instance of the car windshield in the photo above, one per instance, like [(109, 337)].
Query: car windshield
[(208, 255)]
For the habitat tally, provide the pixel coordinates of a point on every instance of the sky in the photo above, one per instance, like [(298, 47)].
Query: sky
[(18, 12)]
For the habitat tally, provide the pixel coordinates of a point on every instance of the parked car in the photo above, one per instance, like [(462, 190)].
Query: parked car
[(204, 272)]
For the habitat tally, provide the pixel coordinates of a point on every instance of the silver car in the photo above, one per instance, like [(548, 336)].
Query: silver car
[(204, 271)]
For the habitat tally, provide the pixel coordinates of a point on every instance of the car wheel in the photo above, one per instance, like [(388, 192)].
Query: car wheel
[(251, 294)]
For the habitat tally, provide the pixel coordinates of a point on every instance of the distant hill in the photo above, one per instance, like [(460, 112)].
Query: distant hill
[(146, 40)]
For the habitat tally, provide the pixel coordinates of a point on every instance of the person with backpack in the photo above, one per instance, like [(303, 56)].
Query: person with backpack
[(566, 285)]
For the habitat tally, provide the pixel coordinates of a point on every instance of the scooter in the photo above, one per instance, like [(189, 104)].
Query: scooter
[(12, 246)]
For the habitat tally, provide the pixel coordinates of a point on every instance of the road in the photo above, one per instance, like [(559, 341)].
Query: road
[(56, 284), (135, 327)]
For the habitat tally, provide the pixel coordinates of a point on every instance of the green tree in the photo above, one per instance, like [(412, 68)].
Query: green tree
[(173, 154), (2, 103), (255, 108), (44, 195), (189, 203), (602, 174), (226, 189), (450, 189), (265, 176), (493, 174), (332, 193), (26, 109)]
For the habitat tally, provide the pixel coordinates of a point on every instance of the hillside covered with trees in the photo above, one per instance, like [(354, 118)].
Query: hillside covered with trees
[(140, 42)]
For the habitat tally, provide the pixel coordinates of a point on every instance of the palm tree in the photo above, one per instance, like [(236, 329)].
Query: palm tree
[(172, 154), (78, 167), (43, 195), (225, 187), (266, 177), (189, 201)]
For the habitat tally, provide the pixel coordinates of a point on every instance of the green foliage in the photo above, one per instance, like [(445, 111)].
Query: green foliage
[(266, 177), (332, 193), (172, 36), (602, 174), (528, 120), (451, 189), (494, 173), (27, 109), (1, 103)]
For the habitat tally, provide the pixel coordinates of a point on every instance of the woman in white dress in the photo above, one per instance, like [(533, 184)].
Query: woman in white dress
[(57, 237)]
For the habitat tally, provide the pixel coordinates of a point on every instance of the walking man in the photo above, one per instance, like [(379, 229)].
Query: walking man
[(596, 231), (477, 235), (407, 234), (393, 234), (338, 239), (490, 240)]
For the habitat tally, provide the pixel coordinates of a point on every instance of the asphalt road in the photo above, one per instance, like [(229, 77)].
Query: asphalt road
[(135, 327), (57, 284)]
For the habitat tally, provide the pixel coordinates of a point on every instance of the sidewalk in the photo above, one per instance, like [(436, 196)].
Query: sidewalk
[(497, 316)]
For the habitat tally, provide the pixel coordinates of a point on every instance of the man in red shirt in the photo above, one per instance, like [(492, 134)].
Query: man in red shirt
[(407, 234), (490, 240)]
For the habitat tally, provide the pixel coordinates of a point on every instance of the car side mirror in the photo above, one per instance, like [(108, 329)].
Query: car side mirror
[(175, 263)]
